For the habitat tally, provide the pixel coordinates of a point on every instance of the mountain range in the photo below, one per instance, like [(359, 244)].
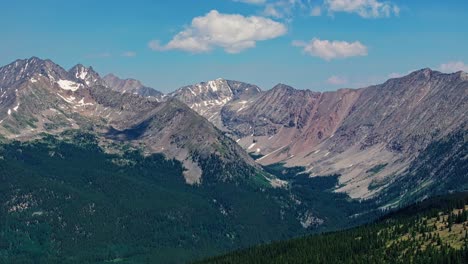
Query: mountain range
[(302, 161), (371, 137)]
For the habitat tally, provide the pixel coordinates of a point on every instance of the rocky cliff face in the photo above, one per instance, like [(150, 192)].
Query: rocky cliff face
[(407, 113), (288, 118), (39, 96)]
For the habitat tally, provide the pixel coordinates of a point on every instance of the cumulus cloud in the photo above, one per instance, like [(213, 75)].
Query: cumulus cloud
[(337, 80), (453, 66), (329, 50), (234, 33), (364, 8)]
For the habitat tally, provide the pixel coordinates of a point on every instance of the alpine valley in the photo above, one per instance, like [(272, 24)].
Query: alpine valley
[(103, 169)]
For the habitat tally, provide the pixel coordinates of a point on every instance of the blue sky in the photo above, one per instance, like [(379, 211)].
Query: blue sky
[(309, 44)]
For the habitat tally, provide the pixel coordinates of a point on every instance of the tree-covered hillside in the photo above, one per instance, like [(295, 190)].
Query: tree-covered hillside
[(77, 199), (434, 231)]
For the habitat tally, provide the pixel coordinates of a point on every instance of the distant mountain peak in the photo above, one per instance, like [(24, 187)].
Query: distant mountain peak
[(209, 98), (21, 70), (113, 77), (282, 86), (426, 74), (425, 70), (132, 86), (86, 74), (110, 75), (30, 63), (287, 90)]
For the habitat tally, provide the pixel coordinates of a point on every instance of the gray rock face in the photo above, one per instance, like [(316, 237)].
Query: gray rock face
[(87, 75), (131, 86), (280, 107), (209, 98), (406, 114)]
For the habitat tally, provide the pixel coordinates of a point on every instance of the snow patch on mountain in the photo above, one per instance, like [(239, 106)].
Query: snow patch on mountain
[(16, 107), (213, 86), (69, 85), (68, 100), (82, 75)]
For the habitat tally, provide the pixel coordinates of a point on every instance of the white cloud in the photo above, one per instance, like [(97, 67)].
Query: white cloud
[(337, 80), (128, 54), (316, 11), (272, 11), (329, 50), (453, 66), (234, 33), (364, 8), (284, 8), (253, 2)]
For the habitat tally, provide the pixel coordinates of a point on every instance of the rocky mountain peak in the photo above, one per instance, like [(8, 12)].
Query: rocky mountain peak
[(242, 90), (423, 77), (218, 84), (216, 89), (425, 71), (130, 86), (114, 80), (209, 98), (210, 91), (21, 70), (283, 89), (290, 92), (425, 74), (86, 74)]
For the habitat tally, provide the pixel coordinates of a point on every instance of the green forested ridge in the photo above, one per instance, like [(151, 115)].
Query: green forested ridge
[(67, 201), (434, 231)]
